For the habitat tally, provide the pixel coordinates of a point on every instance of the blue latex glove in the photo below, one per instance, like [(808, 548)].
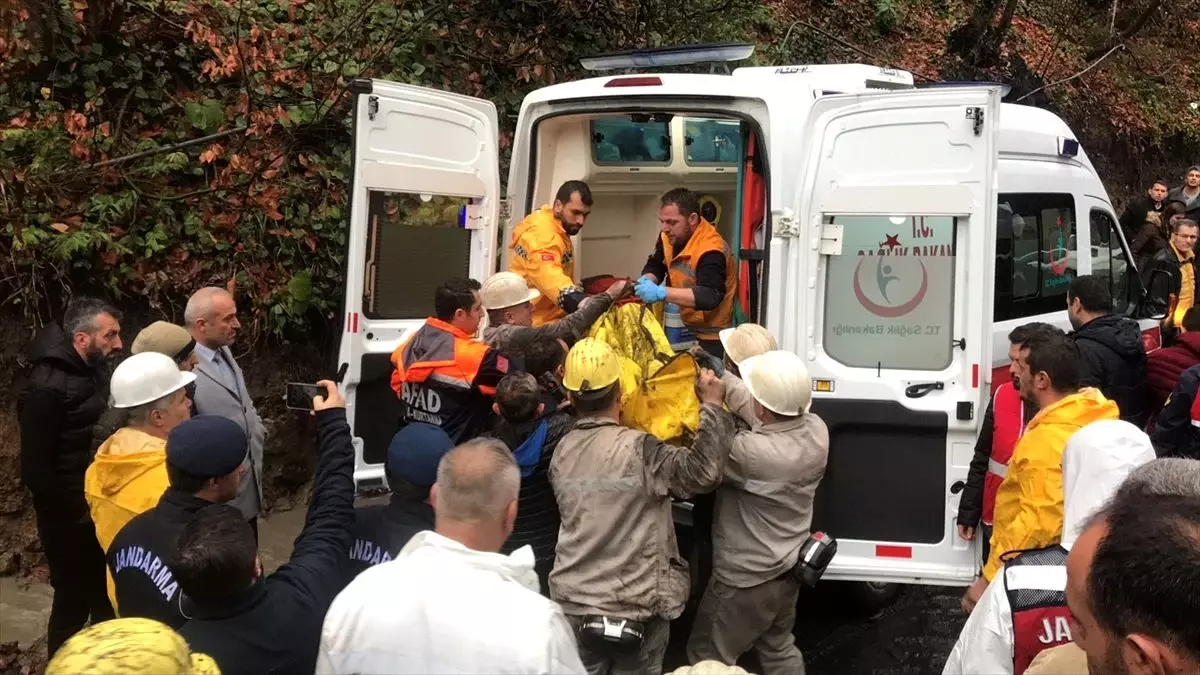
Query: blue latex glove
[(648, 291)]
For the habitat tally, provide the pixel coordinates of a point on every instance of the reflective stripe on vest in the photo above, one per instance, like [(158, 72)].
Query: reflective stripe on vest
[(1035, 583), (1008, 424), (681, 273)]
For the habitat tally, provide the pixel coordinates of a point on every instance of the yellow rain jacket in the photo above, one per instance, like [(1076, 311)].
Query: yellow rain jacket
[(1029, 503), (543, 254), (127, 477), (658, 386)]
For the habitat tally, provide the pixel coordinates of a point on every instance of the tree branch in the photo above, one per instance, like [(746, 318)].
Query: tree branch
[(1068, 79), (155, 151), (1129, 31)]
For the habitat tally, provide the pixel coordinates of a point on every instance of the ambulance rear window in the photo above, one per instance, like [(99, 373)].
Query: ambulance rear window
[(414, 243), (624, 141), (889, 297), (712, 142)]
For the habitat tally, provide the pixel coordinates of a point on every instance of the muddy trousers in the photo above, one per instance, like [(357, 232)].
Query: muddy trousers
[(646, 661), (77, 574), (732, 621)]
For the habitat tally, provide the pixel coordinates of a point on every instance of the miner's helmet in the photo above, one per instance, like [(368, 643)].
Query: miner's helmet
[(591, 366)]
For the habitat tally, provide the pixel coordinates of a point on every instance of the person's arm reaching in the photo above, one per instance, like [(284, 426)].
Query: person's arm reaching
[(1039, 519), (547, 274), (970, 504), (573, 326), (683, 472), (706, 294), (317, 556), (492, 369)]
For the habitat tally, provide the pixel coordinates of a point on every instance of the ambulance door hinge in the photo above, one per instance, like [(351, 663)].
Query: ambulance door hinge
[(786, 225), (975, 114), (831, 239), (372, 107)]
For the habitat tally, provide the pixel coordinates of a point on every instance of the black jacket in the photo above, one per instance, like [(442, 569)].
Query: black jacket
[(136, 559), (537, 509), (1158, 288), (64, 398), (1174, 435), (381, 530), (275, 626), (970, 504), (1135, 215), (1113, 360)]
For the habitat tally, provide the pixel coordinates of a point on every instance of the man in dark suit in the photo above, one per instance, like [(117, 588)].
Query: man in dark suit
[(211, 318)]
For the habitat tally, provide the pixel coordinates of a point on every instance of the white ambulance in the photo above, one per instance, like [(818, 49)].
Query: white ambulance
[(892, 235)]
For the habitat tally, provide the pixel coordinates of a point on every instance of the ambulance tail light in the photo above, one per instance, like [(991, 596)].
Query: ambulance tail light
[(1151, 339), (640, 81), (823, 386)]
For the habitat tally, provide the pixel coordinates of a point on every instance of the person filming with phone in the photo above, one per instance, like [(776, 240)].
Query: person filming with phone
[(249, 622)]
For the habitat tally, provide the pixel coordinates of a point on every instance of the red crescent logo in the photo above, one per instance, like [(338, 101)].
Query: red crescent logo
[(883, 310)]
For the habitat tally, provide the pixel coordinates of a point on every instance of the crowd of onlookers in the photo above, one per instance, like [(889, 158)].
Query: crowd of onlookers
[(1065, 481), (527, 529)]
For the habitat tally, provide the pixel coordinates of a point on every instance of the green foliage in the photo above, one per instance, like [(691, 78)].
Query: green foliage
[(264, 205)]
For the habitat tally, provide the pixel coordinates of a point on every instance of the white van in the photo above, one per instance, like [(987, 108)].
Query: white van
[(904, 232)]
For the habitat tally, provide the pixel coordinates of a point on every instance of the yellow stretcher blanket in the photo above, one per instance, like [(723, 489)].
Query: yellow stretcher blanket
[(658, 386)]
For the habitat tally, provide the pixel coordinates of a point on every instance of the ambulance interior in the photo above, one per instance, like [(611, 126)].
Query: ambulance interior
[(629, 161)]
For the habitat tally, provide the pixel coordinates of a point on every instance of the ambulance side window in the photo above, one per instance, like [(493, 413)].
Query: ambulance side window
[(414, 243), (1035, 254), (889, 296), (1108, 258)]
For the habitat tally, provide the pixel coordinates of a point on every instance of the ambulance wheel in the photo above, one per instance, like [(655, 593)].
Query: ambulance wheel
[(869, 597)]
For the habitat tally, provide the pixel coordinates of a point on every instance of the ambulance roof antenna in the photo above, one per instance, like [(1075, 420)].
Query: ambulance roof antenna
[(666, 57)]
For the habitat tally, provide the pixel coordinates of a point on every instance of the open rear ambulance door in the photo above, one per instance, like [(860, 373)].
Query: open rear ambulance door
[(424, 207), (898, 197)]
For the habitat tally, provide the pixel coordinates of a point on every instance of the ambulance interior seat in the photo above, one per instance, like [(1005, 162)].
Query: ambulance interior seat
[(629, 161)]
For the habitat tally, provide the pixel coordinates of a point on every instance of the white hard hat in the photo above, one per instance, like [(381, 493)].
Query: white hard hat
[(146, 377), (746, 340), (779, 381), (506, 289)]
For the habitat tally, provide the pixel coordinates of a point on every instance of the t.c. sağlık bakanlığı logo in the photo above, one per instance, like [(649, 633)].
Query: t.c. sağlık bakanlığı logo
[(885, 276)]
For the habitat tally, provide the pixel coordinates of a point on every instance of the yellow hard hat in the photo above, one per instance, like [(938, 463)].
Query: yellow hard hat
[(129, 646), (591, 365)]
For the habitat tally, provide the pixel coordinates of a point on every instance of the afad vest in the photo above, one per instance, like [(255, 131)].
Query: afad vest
[(435, 379), (1037, 596), (681, 272), (1008, 423)]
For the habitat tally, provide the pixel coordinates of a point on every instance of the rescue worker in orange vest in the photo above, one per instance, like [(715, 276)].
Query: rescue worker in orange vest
[(543, 254), (691, 267), (444, 376), (1003, 423)]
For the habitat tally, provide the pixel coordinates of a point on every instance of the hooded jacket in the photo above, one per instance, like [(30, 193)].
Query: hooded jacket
[(1096, 461), (441, 607), (127, 478), (1029, 503), (1164, 366), (1113, 360), (64, 398)]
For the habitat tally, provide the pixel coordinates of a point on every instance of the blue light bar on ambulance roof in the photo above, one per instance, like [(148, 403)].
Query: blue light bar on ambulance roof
[(663, 57)]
